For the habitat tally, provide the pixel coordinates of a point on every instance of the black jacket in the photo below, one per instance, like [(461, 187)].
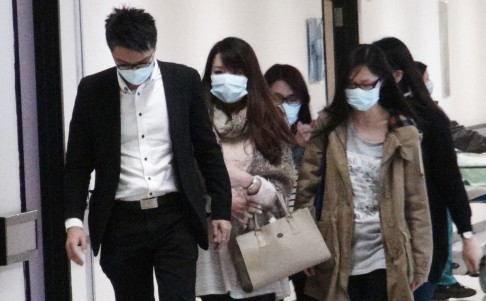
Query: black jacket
[(467, 140), (94, 144), (444, 185)]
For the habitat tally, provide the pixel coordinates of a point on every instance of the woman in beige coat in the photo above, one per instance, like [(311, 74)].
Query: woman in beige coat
[(375, 217)]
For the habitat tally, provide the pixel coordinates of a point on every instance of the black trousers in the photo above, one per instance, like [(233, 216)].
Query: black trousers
[(368, 287), (298, 280), (137, 242)]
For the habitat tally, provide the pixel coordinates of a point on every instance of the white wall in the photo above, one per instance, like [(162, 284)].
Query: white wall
[(467, 38), (11, 276), (416, 23), (187, 29)]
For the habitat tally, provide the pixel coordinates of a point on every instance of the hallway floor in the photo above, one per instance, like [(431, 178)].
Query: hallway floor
[(479, 225)]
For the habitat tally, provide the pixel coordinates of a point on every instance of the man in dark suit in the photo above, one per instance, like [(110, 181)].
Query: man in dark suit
[(142, 127)]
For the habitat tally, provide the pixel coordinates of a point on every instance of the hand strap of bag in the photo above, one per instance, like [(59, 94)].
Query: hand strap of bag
[(288, 216), (319, 196)]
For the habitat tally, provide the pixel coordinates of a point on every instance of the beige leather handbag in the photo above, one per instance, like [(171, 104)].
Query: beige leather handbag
[(278, 249)]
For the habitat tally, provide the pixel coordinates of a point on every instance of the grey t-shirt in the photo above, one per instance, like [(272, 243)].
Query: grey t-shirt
[(364, 159)]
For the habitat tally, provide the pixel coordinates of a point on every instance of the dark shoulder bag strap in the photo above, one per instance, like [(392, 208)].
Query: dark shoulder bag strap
[(319, 196)]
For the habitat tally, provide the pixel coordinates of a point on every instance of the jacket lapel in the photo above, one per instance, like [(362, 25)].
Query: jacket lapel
[(110, 123), (172, 101)]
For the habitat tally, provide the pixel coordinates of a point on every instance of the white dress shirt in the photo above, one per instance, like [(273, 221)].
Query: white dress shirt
[(146, 169)]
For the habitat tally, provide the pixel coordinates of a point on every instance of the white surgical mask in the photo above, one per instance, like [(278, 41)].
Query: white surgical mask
[(363, 100), (228, 87), (137, 76), (430, 86), (291, 112)]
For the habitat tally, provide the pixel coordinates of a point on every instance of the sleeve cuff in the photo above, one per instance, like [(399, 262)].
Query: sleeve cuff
[(73, 222)]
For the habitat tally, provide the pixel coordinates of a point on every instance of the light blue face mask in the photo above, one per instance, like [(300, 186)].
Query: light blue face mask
[(363, 100), (137, 76), (291, 112), (430, 86), (228, 87)]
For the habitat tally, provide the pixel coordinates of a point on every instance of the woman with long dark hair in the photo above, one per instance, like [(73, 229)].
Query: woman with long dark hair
[(375, 216), (444, 184), (255, 140)]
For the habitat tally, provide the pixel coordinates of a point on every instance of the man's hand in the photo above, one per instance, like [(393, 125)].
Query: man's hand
[(75, 238), (221, 232), (471, 253)]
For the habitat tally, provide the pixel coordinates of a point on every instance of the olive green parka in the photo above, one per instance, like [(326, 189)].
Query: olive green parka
[(403, 206)]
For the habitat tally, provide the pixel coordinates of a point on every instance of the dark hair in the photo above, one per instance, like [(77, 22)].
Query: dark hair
[(391, 98), (292, 77), (412, 81), (266, 125), (131, 28), (421, 67)]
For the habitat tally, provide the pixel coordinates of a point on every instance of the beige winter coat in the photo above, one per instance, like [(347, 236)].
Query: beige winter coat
[(403, 206)]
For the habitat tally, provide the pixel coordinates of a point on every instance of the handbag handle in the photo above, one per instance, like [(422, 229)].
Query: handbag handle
[(288, 216)]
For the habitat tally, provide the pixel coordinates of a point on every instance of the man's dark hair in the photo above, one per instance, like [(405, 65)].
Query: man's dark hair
[(130, 28)]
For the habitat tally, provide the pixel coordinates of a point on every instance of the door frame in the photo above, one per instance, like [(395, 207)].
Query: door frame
[(51, 148), (341, 35)]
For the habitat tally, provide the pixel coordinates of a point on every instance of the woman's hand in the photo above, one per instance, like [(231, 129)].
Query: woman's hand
[(303, 133), (242, 209), (310, 272), (416, 284)]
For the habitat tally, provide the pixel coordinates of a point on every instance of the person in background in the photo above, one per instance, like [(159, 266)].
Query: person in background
[(256, 140), (141, 126), (464, 140), (467, 141), (444, 184), (375, 218), (288, 84)]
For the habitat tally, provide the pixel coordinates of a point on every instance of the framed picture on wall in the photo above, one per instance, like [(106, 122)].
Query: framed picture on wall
[(315, 49)]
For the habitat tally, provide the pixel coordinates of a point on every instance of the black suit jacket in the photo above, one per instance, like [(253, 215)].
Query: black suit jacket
[(94, 144)]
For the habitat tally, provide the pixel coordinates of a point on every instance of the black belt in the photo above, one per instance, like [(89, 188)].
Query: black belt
[(150, 203)]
